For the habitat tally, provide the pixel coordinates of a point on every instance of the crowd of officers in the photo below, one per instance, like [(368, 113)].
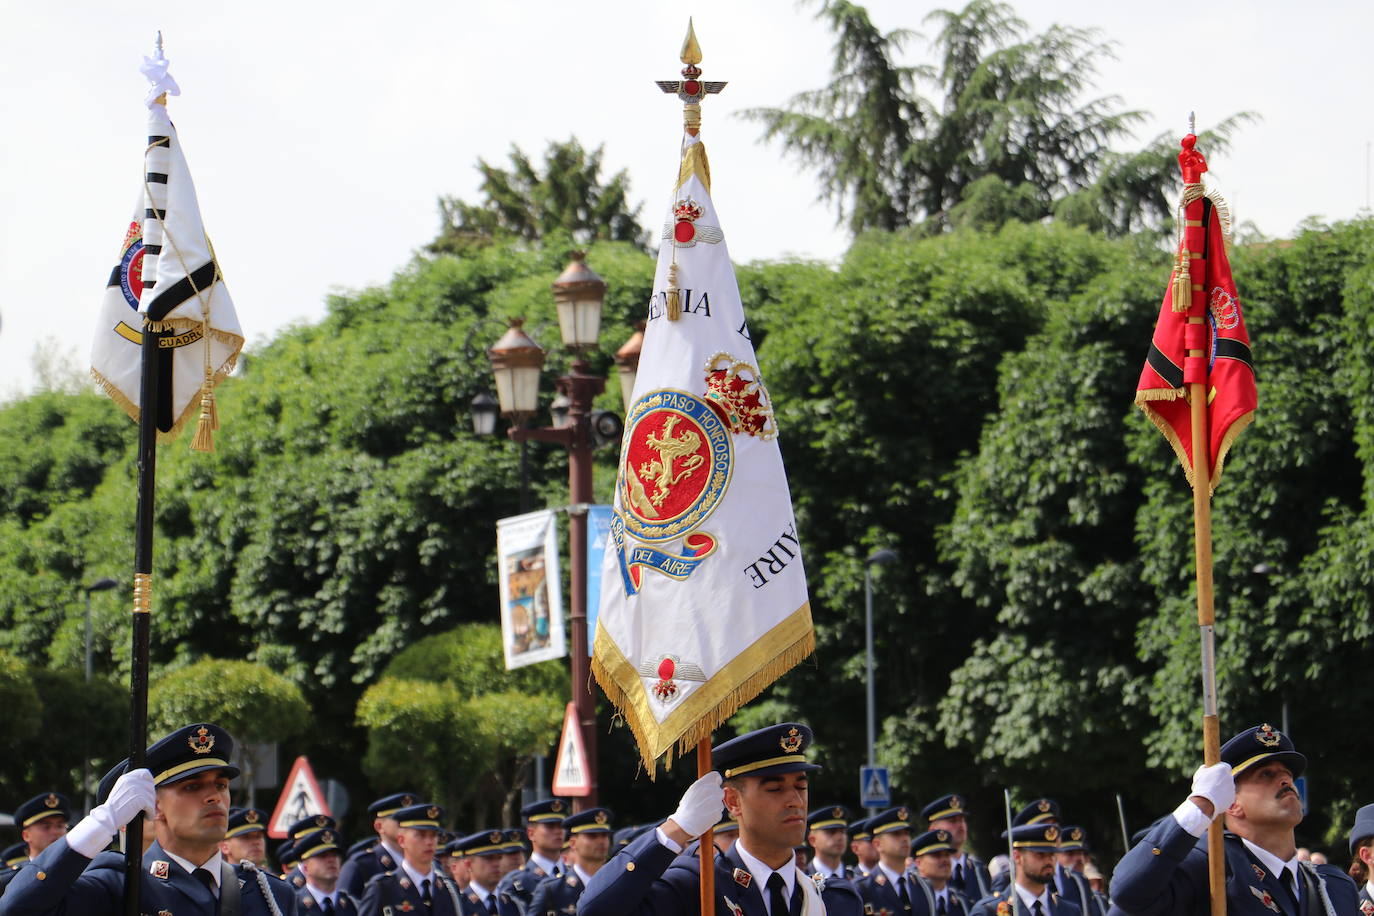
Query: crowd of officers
[(203, 857)]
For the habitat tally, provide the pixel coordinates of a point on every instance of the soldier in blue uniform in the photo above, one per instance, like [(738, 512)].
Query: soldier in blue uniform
[(1034, 847), (381, 855), (761, 777), (934, 871), (544, 827), (321, 860), (1253, 785), (482, 851), (1069, 879), (416, 885), (458, 868), (827, 834), (1040, 811), (246, 837), (186, 784), (861, 844), (1362, 848), (589, 836), (41, 820), (513, 853), (886, 890), (969, 874)]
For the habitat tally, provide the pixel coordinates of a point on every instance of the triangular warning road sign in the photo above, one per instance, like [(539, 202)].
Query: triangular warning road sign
[(571, 775), (301, 797)]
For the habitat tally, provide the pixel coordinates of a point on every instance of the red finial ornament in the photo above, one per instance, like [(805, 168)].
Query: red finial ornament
[(1191, 161)]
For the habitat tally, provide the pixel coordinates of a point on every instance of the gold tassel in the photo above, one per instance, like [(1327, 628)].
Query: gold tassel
[(204, 440), (1183, 283), (674, 305)]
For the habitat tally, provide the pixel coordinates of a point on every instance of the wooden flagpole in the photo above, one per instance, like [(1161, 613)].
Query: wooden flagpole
[(1202, 539), (707, 852)]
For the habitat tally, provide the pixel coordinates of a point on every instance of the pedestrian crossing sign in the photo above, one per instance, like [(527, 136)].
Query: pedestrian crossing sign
[(875, 788)]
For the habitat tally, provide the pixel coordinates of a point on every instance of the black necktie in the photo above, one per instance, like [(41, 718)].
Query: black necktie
[(1038, 910), (425, 894), (204, 877), (901, 893), (777, 899), (491, 903), (327, 906), (940, 906), (959, 874), (1286, 879)]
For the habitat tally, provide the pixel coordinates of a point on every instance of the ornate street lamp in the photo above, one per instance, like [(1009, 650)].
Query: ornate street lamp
[(579, 293), (516, 361), (485, 410), (627, 363)]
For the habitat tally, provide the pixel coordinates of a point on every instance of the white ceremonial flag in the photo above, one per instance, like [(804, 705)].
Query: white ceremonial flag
[(166, 279), (703, 595)]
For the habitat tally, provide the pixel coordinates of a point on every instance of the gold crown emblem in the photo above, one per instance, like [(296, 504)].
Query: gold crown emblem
[(792, 741), (902, 814), (1052, 833), (956, 802), (201, 741), (326, 837), (738, 397), (432, 811), (601, 817), (1076, 835), (556, 806), (51, 801), (495, 836), (250, 816), (688, 209), (942, 836), (1043, 806), (1266, 735)]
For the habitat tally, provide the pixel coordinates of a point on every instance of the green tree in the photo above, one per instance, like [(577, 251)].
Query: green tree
[(523, 202), (449, 698)]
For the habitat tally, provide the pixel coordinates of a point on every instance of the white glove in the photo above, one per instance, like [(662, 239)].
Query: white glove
[(1216, 784), (700, 807), (132, 793)]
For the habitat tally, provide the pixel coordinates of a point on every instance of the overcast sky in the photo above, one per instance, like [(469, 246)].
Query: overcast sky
[(320, 135)]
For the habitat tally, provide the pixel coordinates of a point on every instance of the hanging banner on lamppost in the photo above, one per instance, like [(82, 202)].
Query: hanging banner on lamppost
[(531, 592)]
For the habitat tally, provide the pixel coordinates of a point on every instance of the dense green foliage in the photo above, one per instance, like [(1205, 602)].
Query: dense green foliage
[(997, 128), (963, 399)]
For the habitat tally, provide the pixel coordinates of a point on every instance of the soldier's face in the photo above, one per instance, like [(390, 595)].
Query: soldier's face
[(386, 828), (418, 847), (893, 847), (1034, 866), (955, 826), (1265, 797), (771, 810), (510, 861), (250, 846), (547, 838), (935, 866), (486, 870), (864, 851), (828, 842), (193, 811), (42, 834), (592, 848), (1073, 859), (458, 868), (723, 841), (322, 869)]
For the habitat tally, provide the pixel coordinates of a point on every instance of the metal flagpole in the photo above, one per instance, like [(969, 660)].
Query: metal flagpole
[(149, 404), (1194, 229), (1121, 816), (1011, 850)]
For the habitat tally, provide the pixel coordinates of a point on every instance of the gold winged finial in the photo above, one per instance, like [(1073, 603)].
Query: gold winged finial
[(691, 89)]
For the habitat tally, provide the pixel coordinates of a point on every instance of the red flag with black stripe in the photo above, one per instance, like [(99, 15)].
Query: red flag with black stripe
[(1201, 312)]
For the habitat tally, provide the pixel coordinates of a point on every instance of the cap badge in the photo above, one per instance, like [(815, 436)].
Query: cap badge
[(792, 741), (601, 817), (51, 801), (902, 814), (321, 821), (201, 741), (432, 812), (956, 802), (1266, 735), (837, 812), (1043, 806), (1052, 833), (556, 806), (1076, 835), (942, 836), (495, 836), (327, 838), (743, 878), (407, 801), (251, 816)]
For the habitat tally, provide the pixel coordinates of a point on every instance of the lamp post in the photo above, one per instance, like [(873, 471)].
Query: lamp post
[(878, 558), (100, 585), (578, 293)]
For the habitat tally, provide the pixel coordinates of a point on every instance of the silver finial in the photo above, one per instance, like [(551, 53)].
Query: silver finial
[(1192, 122)]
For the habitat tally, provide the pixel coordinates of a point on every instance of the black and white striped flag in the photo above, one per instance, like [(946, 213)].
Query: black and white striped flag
[(167, 282)]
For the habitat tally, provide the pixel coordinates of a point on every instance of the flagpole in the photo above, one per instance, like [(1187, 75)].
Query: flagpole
[(708, 847), (1192, 265)]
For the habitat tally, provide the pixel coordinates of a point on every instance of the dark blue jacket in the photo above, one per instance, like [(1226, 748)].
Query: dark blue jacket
[(881, 899), (62, 881), (344, 905), (394, 893), (1166, 873), (648, 879), (518, 885), (363, 867), (1008, 903), (1074, 888)]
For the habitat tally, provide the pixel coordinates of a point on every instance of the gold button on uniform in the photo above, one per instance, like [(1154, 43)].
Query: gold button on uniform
[(629, 866), (1155, 850), (42, 875)]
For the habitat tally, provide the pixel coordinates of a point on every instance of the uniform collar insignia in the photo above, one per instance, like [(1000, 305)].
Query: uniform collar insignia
[(473, 897), (572, 882), (539, 870), (242, 884), (386, 860), (1259, 872), (570, 909), (159, 869), (743, 878), (298, 881), (308, 902), (1367, 907), (881, 879), (405, 882)]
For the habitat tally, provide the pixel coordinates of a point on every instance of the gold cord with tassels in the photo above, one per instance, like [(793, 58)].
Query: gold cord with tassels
[(1181, 294)]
